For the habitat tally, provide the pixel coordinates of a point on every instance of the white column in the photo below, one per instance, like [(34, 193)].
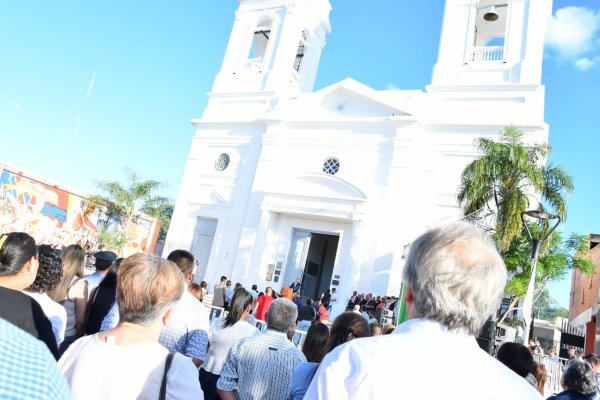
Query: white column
[(257, 239)]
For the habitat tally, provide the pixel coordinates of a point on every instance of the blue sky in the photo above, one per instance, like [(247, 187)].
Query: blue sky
[(87, 88)]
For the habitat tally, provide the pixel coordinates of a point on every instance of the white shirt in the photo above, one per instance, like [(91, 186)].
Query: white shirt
[(333, 298), (423, 361), (100, 370), (94, 280), (222, 340), (55, 313)]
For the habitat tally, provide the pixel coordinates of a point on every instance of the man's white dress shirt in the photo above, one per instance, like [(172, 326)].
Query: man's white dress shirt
[(419, 360)]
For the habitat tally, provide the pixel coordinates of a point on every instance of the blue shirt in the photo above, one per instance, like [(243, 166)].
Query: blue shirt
[(301, 379), (570, 395), (28, 370), (187, 329)]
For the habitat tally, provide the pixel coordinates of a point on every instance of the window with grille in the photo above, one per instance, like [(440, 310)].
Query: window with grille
[(331, 166), (222, 162), (260, 39), (300, 52)]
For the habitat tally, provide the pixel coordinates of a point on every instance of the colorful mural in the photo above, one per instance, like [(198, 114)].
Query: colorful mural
[(57, 217)]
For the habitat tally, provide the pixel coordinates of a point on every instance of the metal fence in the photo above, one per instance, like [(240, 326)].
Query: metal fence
[(554, 370)]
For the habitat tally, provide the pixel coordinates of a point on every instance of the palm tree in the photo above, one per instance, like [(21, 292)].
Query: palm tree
[(124, 202), (509, 173)]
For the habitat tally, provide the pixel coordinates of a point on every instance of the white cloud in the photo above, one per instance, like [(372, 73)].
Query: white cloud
[(572, 34), (585, 63), (14, 104), (391, 86)]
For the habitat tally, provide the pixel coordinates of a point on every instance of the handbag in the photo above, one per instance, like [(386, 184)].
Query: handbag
[(163, 385)]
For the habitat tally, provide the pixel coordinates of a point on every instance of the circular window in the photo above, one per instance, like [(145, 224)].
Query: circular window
[(222, 162), (331, 166)]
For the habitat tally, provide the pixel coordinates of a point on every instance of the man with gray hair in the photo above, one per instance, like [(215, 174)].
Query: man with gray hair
[(455, 280), (260, 367)]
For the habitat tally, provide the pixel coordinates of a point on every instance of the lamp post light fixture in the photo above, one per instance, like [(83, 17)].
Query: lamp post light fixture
[(536, 243)]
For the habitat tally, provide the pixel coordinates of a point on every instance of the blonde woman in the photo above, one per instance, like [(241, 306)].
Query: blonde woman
[(72, 293)]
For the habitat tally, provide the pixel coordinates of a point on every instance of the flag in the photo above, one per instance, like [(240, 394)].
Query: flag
[(402, 313)]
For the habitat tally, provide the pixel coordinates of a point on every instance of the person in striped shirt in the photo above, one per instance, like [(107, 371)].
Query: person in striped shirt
[(261, 367)]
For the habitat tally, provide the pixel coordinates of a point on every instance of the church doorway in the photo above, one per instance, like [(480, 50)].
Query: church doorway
[(312, 258)]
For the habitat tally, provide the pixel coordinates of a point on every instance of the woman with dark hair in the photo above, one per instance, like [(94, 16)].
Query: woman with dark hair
[(18, 269), (345, 327), (326, 298), (101, 300), (579, 382), (224, 333), (315, 344), (48, 277)]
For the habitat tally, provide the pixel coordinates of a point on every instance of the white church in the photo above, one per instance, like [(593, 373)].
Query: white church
[(331, 186)]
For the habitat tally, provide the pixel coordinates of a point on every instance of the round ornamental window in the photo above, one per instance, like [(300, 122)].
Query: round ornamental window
[(331, 166), (222, 162)]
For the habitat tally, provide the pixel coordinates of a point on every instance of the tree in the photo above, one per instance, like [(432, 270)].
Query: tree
[(507, 174), (555, 260), (547, 308), (123, 204), (164, 212)]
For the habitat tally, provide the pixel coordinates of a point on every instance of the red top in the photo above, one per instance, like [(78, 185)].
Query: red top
[(323, 313), (264, 302)]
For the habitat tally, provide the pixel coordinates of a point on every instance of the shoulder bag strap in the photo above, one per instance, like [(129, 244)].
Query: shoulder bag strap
[(163, 385), (87, 309)]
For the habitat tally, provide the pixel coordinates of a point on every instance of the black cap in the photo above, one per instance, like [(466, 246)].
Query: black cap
[(106, 256)]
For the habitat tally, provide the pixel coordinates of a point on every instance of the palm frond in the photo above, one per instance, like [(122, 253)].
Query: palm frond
[(509, 171)]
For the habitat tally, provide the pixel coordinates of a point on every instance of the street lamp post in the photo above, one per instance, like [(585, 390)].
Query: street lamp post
[(536, 243)]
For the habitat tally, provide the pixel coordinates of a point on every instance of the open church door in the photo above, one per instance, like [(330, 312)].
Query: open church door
[(297, 258)]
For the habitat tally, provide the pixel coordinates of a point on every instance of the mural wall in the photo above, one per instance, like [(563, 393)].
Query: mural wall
[(57, 217)]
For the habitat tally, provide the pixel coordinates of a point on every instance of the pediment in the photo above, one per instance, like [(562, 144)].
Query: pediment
[(212, 198), (321, 186), (353, 99), (347, 100), (218, 199)]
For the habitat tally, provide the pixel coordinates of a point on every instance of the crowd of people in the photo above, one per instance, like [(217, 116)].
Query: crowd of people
[(135, 329), (579, 375)]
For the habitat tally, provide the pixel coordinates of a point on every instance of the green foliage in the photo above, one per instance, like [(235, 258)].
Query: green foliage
[(163, 211), (111, 239), (123, 204), (546, 308), (556, 258), (505, 174), (512, 322)]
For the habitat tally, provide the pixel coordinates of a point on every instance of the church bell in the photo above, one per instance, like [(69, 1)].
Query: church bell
[(490, 14)]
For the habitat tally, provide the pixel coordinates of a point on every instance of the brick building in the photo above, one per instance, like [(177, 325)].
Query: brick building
[(584, 303)]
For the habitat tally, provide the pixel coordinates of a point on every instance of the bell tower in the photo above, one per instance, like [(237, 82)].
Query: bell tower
[(492, 42), (275, 47)]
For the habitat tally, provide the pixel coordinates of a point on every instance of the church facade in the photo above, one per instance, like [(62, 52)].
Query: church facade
[(330, 186)]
